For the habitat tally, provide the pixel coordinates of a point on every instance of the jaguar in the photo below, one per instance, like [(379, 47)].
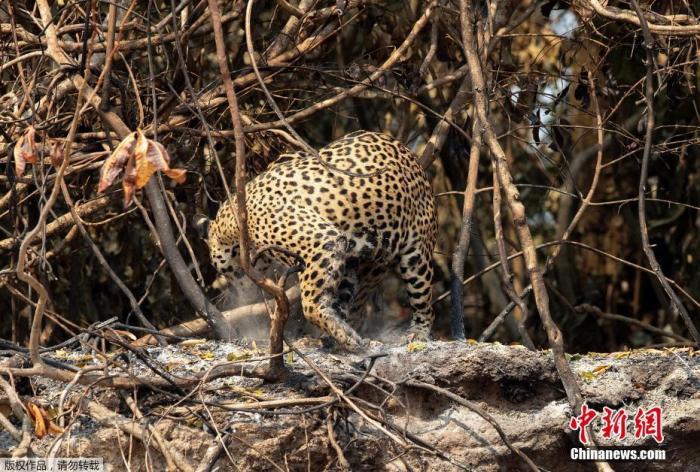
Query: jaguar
[(358, 209)]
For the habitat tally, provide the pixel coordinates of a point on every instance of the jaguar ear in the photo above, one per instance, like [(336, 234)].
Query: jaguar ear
[(201, 224)]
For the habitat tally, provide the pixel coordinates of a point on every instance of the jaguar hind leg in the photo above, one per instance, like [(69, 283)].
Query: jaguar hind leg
[(324, 310), (322, 285), (370, 275), (416, 270), (363, 244)]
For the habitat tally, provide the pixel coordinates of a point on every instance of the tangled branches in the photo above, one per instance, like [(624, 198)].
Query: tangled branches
[(557, 107)]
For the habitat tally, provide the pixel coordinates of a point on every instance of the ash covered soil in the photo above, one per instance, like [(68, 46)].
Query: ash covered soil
[(285, 425)]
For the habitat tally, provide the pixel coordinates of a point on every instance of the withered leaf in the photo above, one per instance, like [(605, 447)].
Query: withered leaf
[(116, 162), (25, 150), (54, 429), (150, 158), (42, 422), (38, 418), (144, 171), (141, 146), (140, 158), (178, 175), (158, 155), (156, 158), (129, 180)]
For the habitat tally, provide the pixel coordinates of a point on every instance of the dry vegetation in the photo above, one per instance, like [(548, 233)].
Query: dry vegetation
[(560, 136)]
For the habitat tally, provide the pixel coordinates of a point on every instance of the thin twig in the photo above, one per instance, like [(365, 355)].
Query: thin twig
[(461, 250), (594, 310), (241, 211), (507, 275), (677, 306), (515, 205)]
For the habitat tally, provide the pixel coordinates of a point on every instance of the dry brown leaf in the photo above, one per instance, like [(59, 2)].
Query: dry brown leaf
[(140, 158), (129, 180), (116, 162), (144, 171), (54, 428), (141, 147), (43, 424), (38, 419), (178, 175), (154, 158), (157, 155), (25, 150)]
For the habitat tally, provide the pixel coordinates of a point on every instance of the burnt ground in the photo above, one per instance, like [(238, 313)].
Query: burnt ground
[(517, 387)]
